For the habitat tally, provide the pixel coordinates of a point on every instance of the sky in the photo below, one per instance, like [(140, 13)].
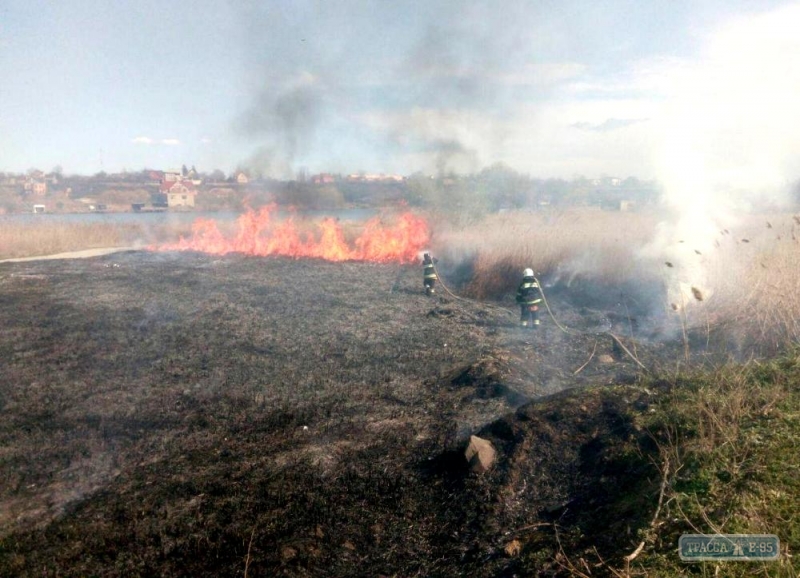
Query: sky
[(682, 91)]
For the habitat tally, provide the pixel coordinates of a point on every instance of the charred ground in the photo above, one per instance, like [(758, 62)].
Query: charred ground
[(188, 415)]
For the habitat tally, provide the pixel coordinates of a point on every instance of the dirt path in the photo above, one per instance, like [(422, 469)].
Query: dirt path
[(71, 255)]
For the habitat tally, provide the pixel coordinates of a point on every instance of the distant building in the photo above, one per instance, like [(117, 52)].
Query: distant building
[(322, 179), (242, 178), (178, 193), (607, 182), (35, 186), (374, 178), (172, 176), (617, 204), (38, 208)]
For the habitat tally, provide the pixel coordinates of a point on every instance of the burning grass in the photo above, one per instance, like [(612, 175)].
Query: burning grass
[(257, 233)]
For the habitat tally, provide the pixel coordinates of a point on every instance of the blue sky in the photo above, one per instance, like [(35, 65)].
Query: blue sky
[(551, 88)]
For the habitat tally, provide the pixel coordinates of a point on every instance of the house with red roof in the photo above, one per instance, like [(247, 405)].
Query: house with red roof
[(178, 193)]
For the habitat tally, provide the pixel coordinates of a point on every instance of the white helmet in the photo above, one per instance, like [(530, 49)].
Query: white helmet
[(527, 272)]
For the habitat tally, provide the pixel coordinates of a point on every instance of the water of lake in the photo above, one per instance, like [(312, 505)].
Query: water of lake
[(167, 217)]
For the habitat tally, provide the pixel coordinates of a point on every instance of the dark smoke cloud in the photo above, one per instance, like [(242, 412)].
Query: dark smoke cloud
[(433, 86), (454, 157), (451, 68), (451, 72), (284, 123), (315, 75)]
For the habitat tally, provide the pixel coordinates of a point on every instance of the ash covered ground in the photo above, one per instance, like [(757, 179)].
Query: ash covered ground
[(190, 415)]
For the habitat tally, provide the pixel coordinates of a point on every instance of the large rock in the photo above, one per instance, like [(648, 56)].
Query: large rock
[(480, 454)]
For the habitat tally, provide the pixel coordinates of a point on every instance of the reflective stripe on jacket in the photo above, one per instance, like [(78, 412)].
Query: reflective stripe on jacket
[(429, 272), (528, 292)]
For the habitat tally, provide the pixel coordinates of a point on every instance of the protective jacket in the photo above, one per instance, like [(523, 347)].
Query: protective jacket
[(428, 270), (528, 292)]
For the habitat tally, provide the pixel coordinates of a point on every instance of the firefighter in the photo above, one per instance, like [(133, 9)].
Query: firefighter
[(529, 296), (429, 274)]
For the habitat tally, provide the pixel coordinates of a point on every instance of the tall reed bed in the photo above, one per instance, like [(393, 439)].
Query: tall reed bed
[(744, 284), (590, 242), (754, 273)]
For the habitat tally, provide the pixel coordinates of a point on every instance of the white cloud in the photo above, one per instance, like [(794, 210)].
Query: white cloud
[(651, 78), (544, 74), (146, 140), (608, 124)]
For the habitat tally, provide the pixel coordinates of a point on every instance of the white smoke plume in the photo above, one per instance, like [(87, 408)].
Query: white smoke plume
[(729, 139)]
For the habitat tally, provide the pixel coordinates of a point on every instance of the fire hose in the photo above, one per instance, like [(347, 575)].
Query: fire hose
[(566, 330)]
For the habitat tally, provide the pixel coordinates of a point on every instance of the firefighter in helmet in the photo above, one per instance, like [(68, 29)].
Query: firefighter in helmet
[(529, 296), (429, 274)]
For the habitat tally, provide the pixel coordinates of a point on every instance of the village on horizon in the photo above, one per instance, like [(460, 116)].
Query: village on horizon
[(493, 189)]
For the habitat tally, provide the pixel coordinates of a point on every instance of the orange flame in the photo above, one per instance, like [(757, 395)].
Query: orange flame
[(258, 234)]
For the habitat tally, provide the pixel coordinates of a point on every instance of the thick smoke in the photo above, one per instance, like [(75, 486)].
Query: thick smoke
[(730, 133), (433, 100), (284, 122), (453, 157)]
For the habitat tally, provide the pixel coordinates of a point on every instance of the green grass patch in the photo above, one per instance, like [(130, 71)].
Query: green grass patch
[(729, 442)]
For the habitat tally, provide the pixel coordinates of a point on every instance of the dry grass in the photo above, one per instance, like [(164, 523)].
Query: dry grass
[(748, 288), (32, 239), (743, 284), (754, 285), (582, 241)]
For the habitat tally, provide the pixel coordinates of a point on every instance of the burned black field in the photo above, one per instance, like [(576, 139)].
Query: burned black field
[(189, 415)]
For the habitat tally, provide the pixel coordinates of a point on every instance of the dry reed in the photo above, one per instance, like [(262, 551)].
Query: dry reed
[(30, 239), (582, 241), (748, 291)]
